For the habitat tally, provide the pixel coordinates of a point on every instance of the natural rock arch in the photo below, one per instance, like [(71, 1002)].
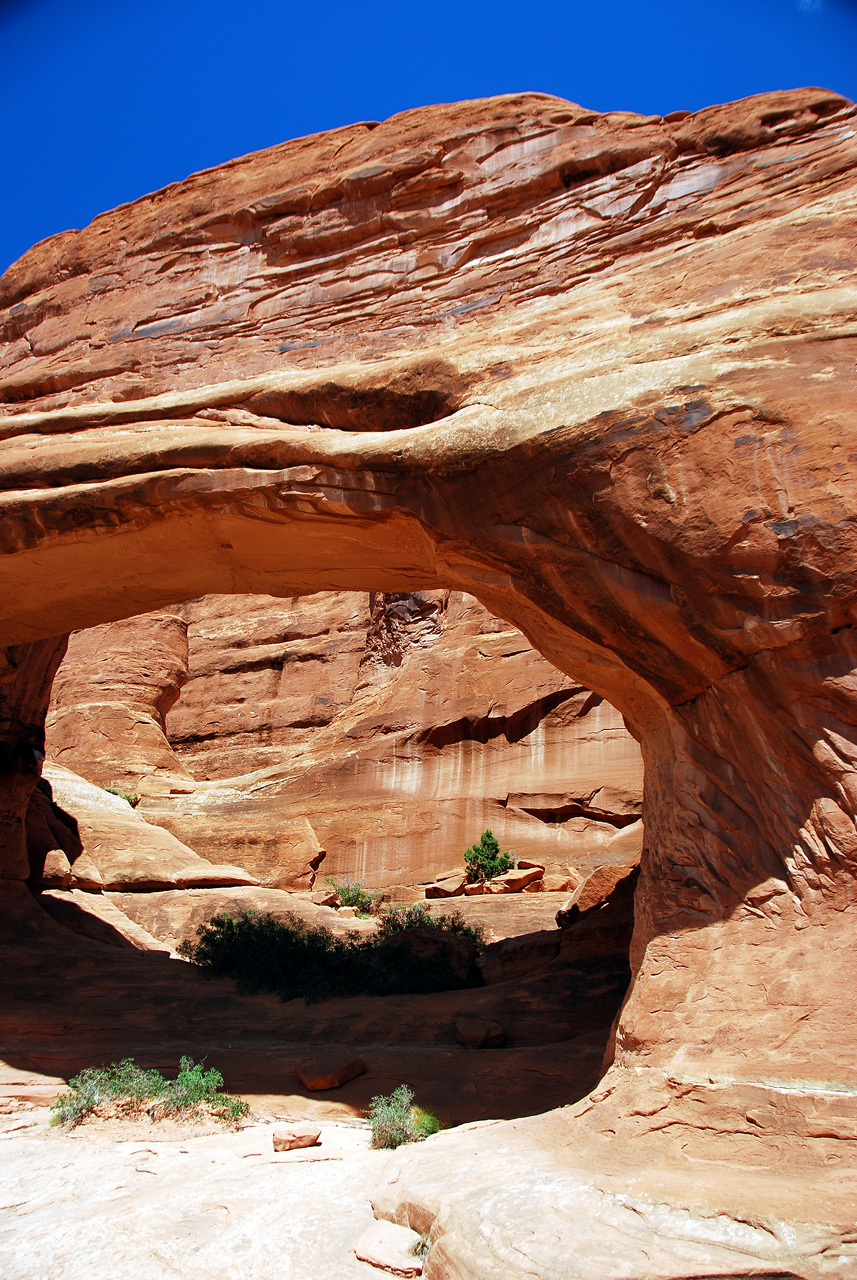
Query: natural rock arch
[(595, 370)]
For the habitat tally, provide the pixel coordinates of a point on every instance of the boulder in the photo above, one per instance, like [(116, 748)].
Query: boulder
[(598, 919), (479, 1033), (117, 849), (390, 1247), (317, 1074), (296, 1136), (326, 898), (451, 887), (594, 891), (515, 881)]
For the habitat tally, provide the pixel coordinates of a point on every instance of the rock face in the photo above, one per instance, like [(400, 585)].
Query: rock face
[(381, 733), (598, 372)]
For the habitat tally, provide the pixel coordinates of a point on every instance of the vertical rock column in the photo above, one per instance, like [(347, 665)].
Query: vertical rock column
[(106, 720)]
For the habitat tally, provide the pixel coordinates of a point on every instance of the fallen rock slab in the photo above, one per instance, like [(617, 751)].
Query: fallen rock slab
[(452, 887), (316, 1074), (479, 1033), (297, 1136), (515, 881), (390, 1248)]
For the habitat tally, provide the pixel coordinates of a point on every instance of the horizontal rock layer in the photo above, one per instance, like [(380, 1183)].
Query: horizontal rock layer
[(598, 372), (385, 732)]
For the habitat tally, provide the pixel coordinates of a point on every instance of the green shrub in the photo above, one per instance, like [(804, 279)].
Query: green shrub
[(395, 1120), (419, 916), (425, 1122), (126, 1089), (484, 861), (130, 796), (265, 953), (353, 894)]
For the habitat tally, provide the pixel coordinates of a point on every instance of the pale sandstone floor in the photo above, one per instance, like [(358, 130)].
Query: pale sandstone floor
[(100, 1206)]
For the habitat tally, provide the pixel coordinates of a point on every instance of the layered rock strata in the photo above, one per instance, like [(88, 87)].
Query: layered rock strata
[(380, 734), (598, 372)]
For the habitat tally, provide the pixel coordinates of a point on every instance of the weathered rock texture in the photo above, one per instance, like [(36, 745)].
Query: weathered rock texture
[(599, 372), (385, 732)]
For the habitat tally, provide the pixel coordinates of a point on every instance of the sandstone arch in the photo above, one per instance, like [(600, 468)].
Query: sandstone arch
[(640, 336)]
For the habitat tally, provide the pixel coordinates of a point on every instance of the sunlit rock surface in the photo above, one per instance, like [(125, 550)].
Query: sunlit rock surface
[(597, 371), (386, 732)]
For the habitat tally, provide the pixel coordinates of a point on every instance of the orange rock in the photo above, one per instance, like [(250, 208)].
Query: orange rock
[(318, 1074), (515, 881), (296, 1136), (329, 694), (598, 371), (448, 888)]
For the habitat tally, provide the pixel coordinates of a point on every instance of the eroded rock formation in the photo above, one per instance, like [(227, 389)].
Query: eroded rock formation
[(383, 732), (597, 371)]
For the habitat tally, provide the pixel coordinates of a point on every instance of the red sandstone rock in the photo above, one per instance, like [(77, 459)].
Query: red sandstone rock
[(515, 881), (452, 887), (318, 1074), (372, 387), (430, 943), (379, 723), (296, 1137), (117, 849), (479, 1033), (511, 958)]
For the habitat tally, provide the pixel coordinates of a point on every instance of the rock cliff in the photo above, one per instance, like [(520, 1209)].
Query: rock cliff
[(597, 371), (383, 731)]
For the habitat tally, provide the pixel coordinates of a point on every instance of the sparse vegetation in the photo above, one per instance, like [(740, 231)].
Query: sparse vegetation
[(395, 1120), (130, 797), (354, 894), (125, 1090), (484, 861), (284, 954), (418, 915)]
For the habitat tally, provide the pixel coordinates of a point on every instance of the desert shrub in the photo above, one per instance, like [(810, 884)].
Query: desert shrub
[(127, 1089), (284, 954), (353, 894), (130, 796), (395, 1120), (425, 1122), (484, 861), (419, 916)]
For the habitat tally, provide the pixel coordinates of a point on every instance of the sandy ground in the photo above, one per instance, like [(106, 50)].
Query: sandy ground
[(98, 1204)]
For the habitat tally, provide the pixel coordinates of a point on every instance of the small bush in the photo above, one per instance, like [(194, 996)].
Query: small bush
[(265, 953), (126, 1089), (353, 894), (484, 861), (418, 916), (425, 1122), (130, 796), (395, 1120)]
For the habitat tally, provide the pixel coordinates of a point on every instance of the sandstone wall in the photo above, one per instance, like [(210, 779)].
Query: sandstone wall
[(386, 730), (597, 371)]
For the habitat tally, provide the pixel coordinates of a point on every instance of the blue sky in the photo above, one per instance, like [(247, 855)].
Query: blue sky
[(104, 100)]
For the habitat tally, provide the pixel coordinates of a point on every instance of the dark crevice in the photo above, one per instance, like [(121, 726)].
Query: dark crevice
[(486, 728), (413, 397), (579, 809)]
